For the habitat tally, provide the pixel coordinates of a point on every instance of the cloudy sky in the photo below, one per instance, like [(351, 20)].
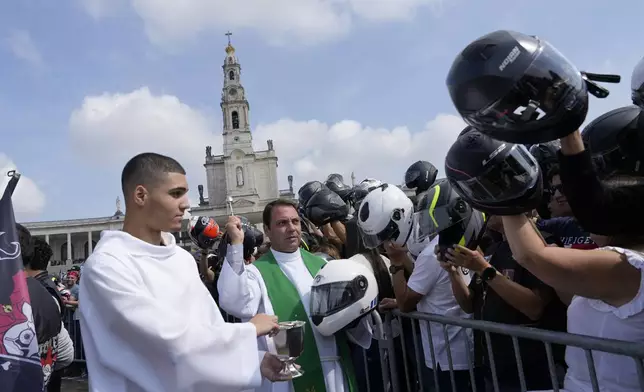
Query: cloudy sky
[(339, 85)]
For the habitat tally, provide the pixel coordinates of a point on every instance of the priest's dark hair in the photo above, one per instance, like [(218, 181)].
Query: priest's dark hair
[(26, 243), (267, 215), (147, 169)]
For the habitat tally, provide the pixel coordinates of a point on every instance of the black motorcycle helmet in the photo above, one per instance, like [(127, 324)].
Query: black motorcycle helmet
[(616, 141), (420, 176), (326, 206), (335, 182), (253, 238), (517, 88), (307, 190), (546, 154), (495, 177), (637, 84), (445, 213)]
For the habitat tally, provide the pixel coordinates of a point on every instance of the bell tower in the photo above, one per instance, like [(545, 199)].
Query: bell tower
[(234, 106)]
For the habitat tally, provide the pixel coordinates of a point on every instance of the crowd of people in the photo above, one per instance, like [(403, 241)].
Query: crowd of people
[(535, 224)]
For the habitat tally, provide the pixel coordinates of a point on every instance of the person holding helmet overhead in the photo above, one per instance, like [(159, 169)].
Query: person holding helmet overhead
[(610, 146), (444, 218), (500, 178), (604, 189)]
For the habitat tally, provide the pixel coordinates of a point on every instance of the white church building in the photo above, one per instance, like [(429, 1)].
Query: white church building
[(241, 179)]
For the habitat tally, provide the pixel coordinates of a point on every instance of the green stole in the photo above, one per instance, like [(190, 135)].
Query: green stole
[(287, 306)]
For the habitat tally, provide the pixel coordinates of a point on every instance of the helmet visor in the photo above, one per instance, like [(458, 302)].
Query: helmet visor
[(637, 84), (505, 180), (637, 79), (411, 176), (331, 298), (549, 84), (373, 240), (429, 222)]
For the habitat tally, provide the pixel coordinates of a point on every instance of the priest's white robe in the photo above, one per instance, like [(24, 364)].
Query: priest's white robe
[(242, 293), (150, 325)]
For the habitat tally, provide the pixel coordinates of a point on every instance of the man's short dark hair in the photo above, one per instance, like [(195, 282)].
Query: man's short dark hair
[(26, 243), (42, 255), (267, 215), (147, 169)]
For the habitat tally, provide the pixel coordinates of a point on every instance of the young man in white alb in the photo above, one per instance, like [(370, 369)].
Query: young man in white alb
[(148, 322)]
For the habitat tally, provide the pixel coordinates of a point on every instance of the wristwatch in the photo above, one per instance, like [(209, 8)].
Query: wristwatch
[(488, 274), (395, 268)]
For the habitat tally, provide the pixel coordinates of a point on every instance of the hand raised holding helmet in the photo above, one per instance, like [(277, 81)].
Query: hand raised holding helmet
[(203, 231)]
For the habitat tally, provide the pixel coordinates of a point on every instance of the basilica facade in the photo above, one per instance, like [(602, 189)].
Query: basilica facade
[(240, 181)]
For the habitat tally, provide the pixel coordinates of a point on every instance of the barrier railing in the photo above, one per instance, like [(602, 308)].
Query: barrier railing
[(401, 371), (548, 338), (73, 328)]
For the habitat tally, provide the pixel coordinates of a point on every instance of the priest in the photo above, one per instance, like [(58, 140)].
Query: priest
[(148, 322), (279, 283)]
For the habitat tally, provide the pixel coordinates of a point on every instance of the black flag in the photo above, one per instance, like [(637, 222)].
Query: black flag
[(20, 366)]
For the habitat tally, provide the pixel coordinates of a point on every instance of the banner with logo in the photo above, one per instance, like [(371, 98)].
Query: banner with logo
[(20, 367)]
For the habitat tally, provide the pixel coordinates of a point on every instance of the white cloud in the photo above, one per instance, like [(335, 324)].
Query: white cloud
[(110, 128), (386, 10), (169, 22), (23, 47), (312, 150), (28, 199), (101, 8)]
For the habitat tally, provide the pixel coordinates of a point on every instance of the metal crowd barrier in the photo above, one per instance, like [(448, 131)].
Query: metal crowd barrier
[(74, 330), (587, 343), (390, 350)]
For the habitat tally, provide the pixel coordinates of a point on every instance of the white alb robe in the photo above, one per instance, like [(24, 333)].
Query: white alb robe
[(150, 325), (242, 293)]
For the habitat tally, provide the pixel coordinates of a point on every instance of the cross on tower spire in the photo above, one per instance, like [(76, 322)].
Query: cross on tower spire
[(228, 34)]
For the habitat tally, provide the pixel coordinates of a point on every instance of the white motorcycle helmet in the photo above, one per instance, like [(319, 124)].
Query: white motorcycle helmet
[(369, 184), (386, 213), (343, 292)]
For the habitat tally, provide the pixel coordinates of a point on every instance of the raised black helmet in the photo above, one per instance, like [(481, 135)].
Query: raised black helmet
[(335, 182), (326, 206), (616, 141), (307, 190), (420, 176), (520, 89), (546, 153), (495, 177)]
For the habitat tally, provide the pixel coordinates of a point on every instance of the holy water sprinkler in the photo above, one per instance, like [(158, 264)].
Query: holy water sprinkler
[(229, 201)]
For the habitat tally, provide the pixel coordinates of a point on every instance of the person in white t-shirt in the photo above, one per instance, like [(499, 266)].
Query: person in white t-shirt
[(443, 216), (148, 322)]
